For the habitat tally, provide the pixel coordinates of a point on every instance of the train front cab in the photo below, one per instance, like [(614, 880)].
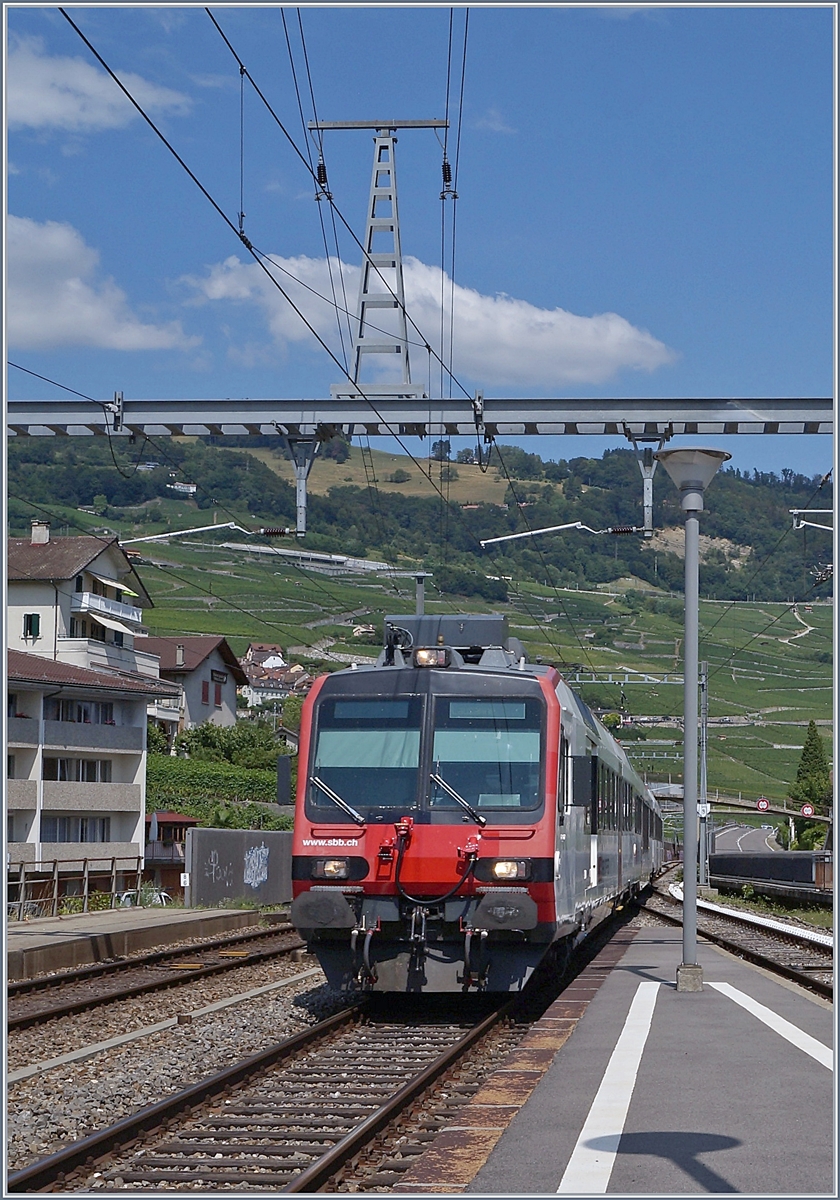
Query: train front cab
[(444, 879)]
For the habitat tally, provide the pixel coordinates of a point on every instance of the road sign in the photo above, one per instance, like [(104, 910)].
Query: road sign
[(763, 804), (703, 810), (807, 810)]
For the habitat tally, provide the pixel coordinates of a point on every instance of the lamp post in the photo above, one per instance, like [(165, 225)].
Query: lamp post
[(691, 471)]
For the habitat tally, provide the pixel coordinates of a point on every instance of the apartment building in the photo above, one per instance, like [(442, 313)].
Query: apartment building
[(76, 761), (79, 687)]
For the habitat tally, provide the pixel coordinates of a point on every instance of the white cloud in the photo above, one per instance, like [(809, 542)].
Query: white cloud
[(56, 297), (499, 341), (494, 121), (46, 92)]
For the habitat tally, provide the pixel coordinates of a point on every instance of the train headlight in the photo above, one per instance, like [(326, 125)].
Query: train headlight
[(511, 868), (330, 868), (432, 656)]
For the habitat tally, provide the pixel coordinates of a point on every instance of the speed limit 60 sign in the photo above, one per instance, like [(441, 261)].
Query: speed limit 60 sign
[(763, 804)]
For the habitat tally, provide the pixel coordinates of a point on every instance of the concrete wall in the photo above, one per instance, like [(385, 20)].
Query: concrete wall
[(238, 864)]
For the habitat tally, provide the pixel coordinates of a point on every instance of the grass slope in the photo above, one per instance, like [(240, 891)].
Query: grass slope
[(769, 668)]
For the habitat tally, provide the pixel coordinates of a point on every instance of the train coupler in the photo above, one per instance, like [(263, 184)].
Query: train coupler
[(417, 935), (366, 971), (474, 976)]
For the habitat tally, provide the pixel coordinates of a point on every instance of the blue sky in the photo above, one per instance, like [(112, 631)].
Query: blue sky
[(645, 201)]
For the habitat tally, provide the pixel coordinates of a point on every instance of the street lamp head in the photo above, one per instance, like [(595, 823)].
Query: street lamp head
[(692, 470)]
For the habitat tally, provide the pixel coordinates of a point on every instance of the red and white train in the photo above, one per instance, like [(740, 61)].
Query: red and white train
[(459, 811)]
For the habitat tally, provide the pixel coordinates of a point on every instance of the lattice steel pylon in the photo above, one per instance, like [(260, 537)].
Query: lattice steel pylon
[(382, 285)]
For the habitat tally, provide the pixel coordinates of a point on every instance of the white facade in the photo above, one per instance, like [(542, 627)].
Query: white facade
[(78, 691), (76, 764)]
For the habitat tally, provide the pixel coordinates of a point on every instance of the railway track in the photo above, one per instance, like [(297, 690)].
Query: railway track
[(287, 1119), (789, 952), (345, 1105), (35, 1001)]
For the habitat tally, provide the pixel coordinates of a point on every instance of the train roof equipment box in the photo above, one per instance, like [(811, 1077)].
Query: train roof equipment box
[(462, 632)]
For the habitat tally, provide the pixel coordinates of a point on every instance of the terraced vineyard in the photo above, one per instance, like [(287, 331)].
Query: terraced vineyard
[(770, 668)]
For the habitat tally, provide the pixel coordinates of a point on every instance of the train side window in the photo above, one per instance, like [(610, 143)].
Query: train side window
[(562, 775)]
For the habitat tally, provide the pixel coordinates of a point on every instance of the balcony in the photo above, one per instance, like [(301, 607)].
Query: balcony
[(89, 602), (88, 652), (91, 797), (65, 735), (21, 794), (160, 854), (23, 731)]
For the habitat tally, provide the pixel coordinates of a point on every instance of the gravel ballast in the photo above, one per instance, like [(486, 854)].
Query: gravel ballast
[(65, 1104)]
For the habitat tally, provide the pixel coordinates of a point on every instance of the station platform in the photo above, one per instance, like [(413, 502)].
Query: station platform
[(627, 1087), (52, 943)]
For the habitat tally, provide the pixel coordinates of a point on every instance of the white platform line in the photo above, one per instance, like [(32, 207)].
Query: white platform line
[(588, 1170), (792, 1033)]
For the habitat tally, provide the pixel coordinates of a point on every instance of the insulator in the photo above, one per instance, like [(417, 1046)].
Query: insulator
[(447, 173), (623, 529), (274, 532), (322, 175)]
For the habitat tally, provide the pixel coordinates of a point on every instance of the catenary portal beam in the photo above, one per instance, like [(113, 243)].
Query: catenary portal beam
[(418, 417)]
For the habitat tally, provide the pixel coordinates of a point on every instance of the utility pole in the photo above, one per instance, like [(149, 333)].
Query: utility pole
[(382, 285), (702, 801), (691, 470)]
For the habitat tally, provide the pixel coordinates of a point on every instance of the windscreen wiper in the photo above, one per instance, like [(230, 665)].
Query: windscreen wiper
[(336, 799), (450, 791)]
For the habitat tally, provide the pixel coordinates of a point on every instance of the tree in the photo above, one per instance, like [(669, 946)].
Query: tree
[(441, 451), (292, 707), (156, 742), (813, 777)]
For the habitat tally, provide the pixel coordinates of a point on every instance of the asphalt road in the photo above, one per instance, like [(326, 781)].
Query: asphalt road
[(746, 839)]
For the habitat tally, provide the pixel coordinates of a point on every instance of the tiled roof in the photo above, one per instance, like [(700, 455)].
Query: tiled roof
[(171, 818), (196, 650), (32, 668), (61, 558)]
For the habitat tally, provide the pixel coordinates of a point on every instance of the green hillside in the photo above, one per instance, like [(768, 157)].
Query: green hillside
[(593, 606)]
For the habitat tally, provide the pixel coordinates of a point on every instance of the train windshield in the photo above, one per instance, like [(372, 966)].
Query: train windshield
[(488, 751), (367, 751)]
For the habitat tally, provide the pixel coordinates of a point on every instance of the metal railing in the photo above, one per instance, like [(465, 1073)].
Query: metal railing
[(42, 891)]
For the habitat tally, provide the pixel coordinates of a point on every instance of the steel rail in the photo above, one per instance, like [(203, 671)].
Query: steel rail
[(315, 1177), (45, 983), (82, 1004), (47, 1171), (754, 956)]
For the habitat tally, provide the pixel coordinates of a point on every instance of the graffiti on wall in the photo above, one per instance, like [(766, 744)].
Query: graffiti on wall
[(215, 871), (256, 866)]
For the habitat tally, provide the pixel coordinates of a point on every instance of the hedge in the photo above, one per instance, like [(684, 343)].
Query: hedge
[(169, 780)]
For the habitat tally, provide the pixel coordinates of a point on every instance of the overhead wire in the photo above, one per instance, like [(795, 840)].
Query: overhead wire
[(284, 629), (248, 244), (180, 469), (771, 552), (367, 459), (386, 285), (312, 170), (104, 405)]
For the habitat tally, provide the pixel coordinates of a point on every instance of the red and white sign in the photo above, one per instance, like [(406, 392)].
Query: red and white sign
[(807, 810), (762, 804)]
